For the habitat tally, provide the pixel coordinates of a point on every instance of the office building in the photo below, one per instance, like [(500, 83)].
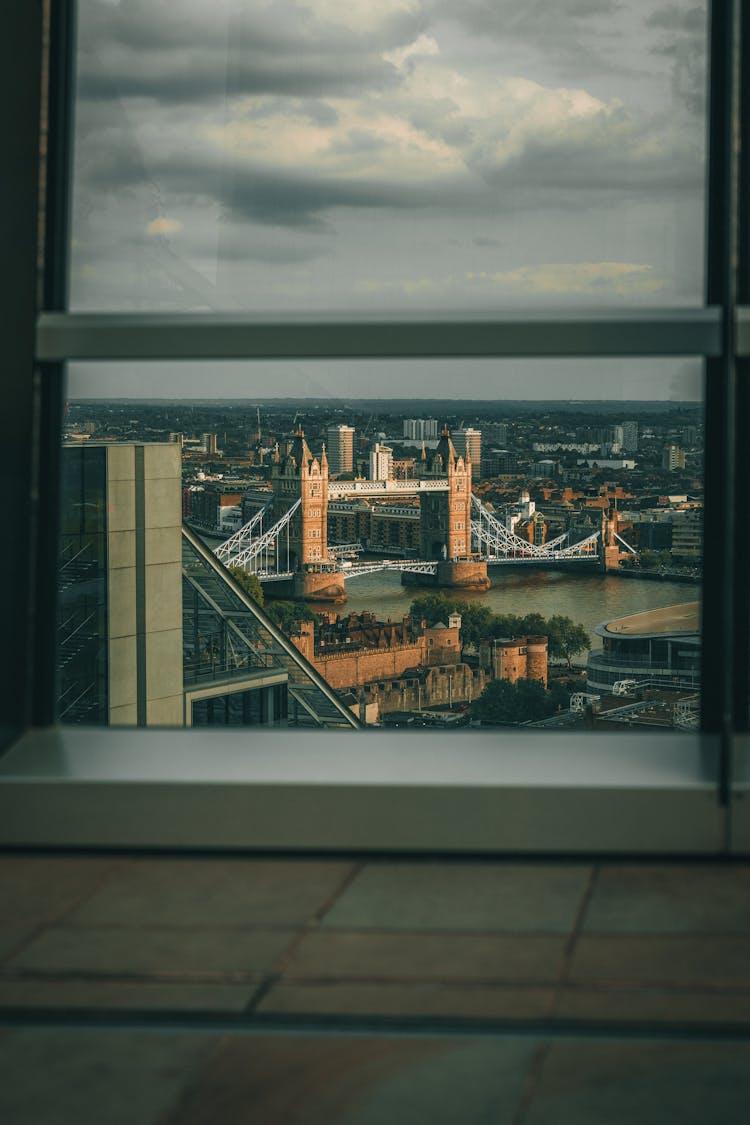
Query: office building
[(687, 536), (672, 458), (208, 441), (421, 429), (659, 647), (495, 432), (630, 436), (153, 630), (468, 443), (498, 461), (381, 462), (340, 449)]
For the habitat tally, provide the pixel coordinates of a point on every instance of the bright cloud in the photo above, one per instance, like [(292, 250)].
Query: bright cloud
[(553, 279), (163, 225), (594, 278)]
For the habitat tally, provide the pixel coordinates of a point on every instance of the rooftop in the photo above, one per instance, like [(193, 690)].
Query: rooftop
[(669, 619)]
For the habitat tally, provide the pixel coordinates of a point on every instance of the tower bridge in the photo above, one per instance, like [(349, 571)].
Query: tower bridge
[(286, 542)]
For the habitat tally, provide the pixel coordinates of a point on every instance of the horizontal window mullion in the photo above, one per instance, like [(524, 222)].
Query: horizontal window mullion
[(102, 336)]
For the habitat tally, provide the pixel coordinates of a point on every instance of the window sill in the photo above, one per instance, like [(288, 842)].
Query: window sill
[(523, 792)]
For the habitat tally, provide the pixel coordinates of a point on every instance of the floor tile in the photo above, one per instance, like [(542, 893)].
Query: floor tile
[(670, 898), (462, 896), (214, 892), (357, 1081), (649, 1083), (353, 998), (664, 1006), (116, 951), (13, 938), (661, 960), (42, 888), (94, 1077), (125, 995), (448, 957)]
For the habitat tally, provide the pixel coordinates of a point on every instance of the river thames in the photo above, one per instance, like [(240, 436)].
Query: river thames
[(588, 598)]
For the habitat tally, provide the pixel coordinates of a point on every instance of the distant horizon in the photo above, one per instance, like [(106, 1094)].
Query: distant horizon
[(294, 401)]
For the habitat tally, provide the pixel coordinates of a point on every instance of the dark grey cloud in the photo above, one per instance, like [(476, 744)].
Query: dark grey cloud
[(573, 34), (551, 22), (680, 35), (215, 118), (194, 52)]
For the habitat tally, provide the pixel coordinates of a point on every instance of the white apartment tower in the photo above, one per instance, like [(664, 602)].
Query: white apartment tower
[(340, 449), (421, 429), (381, 462)]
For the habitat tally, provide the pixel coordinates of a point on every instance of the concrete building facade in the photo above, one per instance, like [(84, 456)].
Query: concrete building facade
[(468, 443), (381, 462), (153, 630), (340, 449)]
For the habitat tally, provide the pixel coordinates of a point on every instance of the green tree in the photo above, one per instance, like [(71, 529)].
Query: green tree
[(288, 614), (533, 625), (476, 622), (506, 625), (522, 702), (432, 608), (566, 638), (249, 583)]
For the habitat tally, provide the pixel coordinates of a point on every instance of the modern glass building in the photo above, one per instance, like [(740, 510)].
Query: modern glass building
[(153, 630), (660, 647)]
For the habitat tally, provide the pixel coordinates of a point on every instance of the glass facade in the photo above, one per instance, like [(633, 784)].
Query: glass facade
[(227, 637), (82, 607), (264, 706)]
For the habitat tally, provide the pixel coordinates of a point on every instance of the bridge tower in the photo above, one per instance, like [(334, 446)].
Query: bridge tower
[(445, 522), (301, 476), (609, 552)]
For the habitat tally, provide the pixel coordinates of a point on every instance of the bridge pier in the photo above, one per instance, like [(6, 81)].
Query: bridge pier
[(313, 586), (468, 574)]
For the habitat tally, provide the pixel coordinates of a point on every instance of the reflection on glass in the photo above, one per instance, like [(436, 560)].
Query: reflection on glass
[(298, 154), (425, 561)]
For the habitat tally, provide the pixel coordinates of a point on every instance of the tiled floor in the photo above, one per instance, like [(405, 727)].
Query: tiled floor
[(506, 967)]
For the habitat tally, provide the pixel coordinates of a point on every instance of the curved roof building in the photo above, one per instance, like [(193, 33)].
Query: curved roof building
[(659, 645)]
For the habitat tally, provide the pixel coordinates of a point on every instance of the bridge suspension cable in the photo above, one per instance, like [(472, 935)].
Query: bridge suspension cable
[(495, 541), (252, 553), (242, 538)]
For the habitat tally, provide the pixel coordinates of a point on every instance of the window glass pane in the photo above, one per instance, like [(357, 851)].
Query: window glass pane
[(499, 542), (307, 154)]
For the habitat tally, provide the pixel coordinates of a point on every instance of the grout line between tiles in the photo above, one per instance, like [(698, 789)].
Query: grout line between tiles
[(531, 1083), (570, 944)]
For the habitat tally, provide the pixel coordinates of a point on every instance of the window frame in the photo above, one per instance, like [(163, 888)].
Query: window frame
[(58, 769)]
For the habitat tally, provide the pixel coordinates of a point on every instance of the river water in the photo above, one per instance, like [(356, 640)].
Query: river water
[(588, 598)]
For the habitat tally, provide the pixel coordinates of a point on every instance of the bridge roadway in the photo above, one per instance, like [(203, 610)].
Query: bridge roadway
[(420, 566)]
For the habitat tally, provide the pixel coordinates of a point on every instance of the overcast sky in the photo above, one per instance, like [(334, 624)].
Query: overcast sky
[(380, 155)]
